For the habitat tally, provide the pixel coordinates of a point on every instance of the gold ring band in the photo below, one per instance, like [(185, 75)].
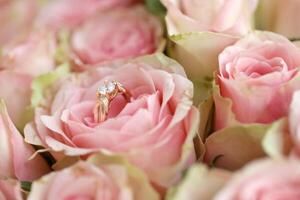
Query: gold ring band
[(105, 94)]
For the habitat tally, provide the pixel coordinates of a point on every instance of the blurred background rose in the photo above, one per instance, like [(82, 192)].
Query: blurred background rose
[(21, 61), (16, 19), (67, 14), (99, 178), (119, 33), (264, 179), (232, 16), (280, 16)]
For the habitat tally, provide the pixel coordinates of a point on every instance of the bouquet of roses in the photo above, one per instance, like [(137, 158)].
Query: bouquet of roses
[(149, 100)]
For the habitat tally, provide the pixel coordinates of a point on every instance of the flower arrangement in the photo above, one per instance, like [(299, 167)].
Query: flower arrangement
[(149, 100)]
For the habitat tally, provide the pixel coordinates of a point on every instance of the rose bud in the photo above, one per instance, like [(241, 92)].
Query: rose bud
[(120, 33), (15, 153), (154, 121), (96, 179)]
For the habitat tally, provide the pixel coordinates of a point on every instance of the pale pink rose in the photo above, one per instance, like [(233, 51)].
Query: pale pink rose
[(15, 153), (230, 16), (10, 190), (294, 122), (99, 180), (154, 127), (16, 18), (280, 16), (120, 33), (264, 180), (20, 62), (33, 55), (257, 76), (283, 138), (61, 14)]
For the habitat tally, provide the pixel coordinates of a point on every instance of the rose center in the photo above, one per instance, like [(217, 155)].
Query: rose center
[(253, 68)]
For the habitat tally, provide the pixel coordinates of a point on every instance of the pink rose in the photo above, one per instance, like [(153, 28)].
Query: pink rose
[(231, 16), (15, 153), (294, 121), (33, 55), (255, 84), (98, 179), (280, 16), (120, 33), (60, 14), (257, 78), (154, 127), (283, 138), (265, 179), (10, 190), (16, 19), (20, 62), (200, 30)]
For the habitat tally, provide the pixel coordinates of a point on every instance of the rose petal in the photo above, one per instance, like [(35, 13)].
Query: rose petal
[(17, 152), (221, 146)]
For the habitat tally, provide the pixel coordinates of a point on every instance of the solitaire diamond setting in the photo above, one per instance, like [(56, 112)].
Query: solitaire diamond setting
[(105, 94), (108, 88)]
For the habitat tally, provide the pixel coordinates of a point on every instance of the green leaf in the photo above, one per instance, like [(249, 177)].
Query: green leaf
[(155, 7), (25, 185)]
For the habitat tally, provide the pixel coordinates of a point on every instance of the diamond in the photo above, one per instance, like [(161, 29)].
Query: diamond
[(102, 90), (110, 87), (107, 88)]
